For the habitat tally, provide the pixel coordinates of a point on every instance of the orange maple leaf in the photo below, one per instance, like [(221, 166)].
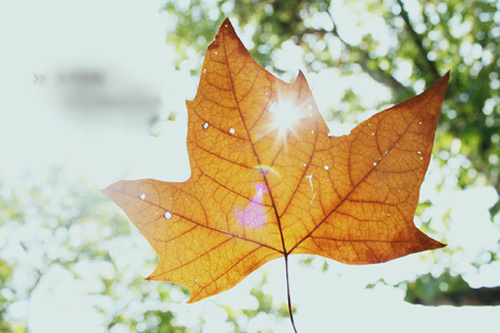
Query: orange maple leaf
[(268, 181)]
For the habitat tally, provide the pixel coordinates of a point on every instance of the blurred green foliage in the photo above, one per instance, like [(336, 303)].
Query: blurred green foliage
[(240, 317), (426, 289), (59, 225), (449, 289)]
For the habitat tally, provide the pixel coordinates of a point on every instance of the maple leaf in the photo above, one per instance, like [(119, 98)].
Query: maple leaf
[(268, 181)]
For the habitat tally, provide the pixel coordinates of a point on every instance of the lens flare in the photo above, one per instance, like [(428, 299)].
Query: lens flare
[(266, 170), (254, 216)]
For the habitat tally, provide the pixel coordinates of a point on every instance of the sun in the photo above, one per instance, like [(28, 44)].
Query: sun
[(286, 114)]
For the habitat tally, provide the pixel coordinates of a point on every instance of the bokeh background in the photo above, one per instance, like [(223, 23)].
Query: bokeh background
[(93, 92)]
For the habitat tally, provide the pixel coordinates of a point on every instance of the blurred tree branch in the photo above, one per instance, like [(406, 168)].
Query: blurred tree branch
[(417, 40), (376, 73)]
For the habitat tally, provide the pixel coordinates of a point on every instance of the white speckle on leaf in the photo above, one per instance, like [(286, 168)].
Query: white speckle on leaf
[(205, 126), (142, 196), (310, 177), (168, 215), (274, 107), (312, 199), (231, 131)]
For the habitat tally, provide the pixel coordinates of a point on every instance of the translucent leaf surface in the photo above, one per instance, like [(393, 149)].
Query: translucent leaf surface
[(267, 180)]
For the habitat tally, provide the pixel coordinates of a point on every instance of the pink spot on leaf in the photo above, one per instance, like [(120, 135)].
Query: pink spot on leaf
[(253, 216)]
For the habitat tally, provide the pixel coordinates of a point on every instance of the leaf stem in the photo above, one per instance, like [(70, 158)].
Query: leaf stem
[(290, 312)]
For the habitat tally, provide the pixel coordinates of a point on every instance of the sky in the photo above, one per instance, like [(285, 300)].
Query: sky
[(80, 82)]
